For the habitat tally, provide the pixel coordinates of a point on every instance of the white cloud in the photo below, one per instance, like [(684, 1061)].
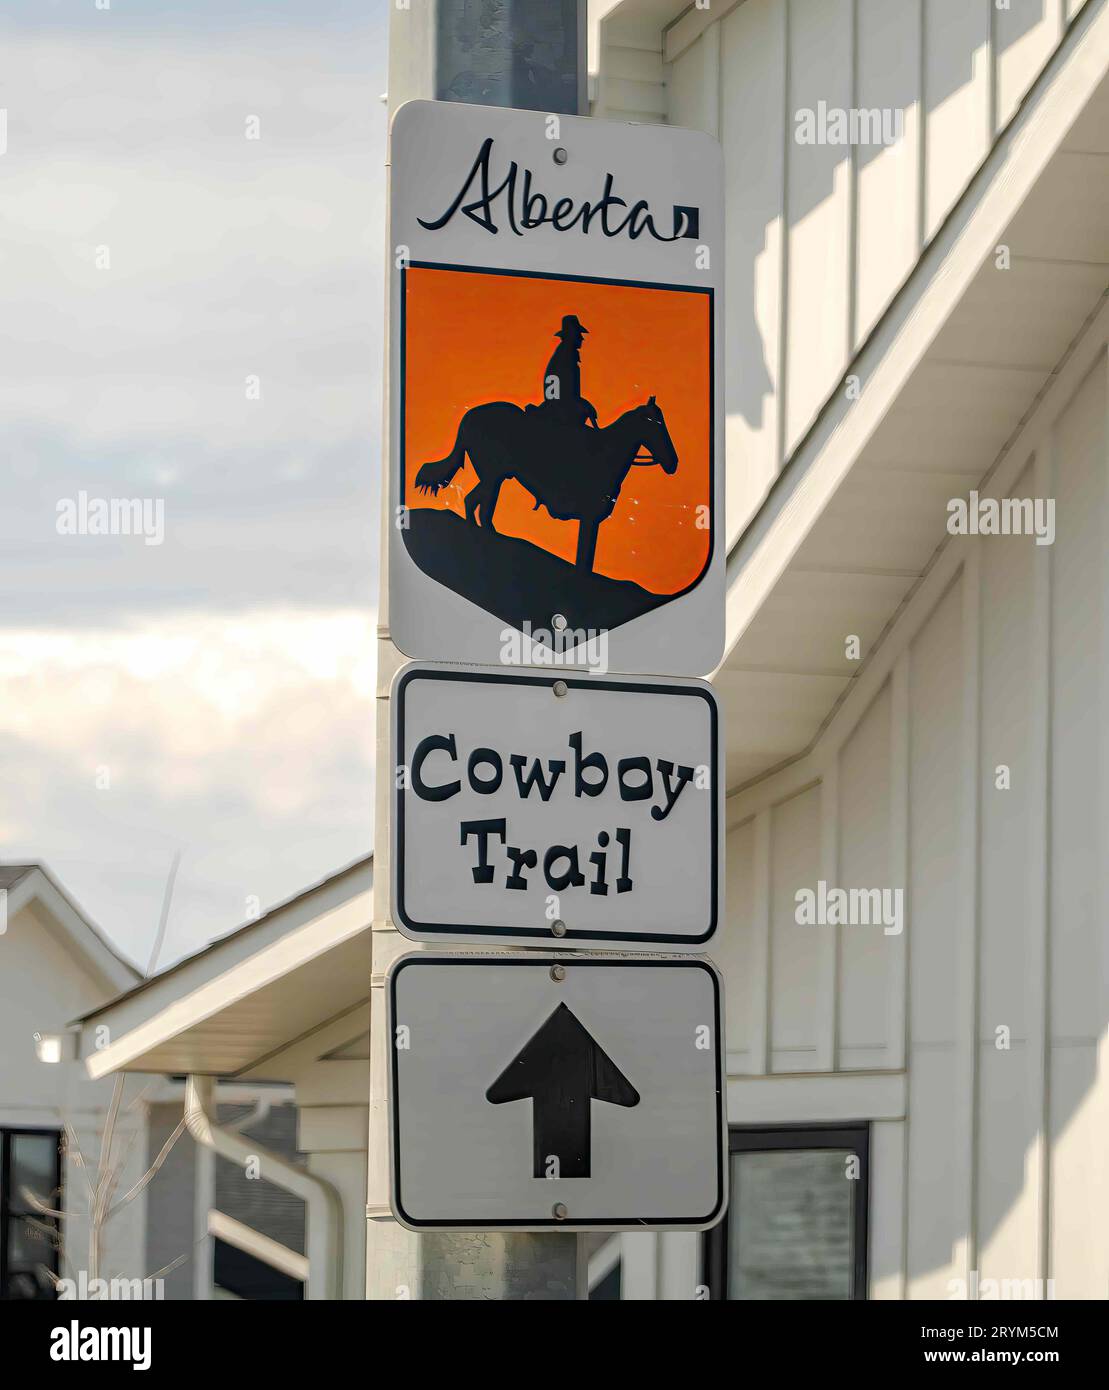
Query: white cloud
[(223, 679), (227, 256), (249, 743)]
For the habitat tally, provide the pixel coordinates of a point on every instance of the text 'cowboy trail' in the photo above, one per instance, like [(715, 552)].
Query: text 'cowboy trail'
[(655, 785)]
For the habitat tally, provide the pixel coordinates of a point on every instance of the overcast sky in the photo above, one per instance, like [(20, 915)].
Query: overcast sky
[(213, 693)]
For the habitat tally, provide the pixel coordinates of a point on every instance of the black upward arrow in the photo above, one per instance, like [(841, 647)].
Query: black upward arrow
[(561, 1069)]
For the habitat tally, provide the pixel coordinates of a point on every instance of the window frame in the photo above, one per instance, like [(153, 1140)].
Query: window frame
[(854, 1136), (7, 1133)]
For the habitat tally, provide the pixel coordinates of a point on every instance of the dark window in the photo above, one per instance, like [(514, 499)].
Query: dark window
[(609, 1285), (250, 1278), (30, 1167), (796, 1227)]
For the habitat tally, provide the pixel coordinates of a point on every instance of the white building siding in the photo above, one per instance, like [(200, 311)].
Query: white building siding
[(55, 986), (1001, 658), (821, 236), (753, 183), (1076, 998), (865, 979)]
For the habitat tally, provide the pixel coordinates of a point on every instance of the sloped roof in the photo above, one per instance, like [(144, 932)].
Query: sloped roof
[(31, 882), (255, 925), (251, 994)]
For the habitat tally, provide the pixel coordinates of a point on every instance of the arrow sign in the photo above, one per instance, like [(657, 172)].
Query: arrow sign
[(471, 1029), (561, 1070)]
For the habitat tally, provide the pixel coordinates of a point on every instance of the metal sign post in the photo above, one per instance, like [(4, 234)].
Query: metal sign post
[(554, 532)]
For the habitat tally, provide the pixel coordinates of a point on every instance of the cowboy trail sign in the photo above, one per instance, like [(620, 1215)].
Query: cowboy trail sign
[(555, 485), (556, 462), (531, 808)]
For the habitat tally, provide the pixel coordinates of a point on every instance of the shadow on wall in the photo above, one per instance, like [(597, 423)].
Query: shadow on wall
[(770, 172)]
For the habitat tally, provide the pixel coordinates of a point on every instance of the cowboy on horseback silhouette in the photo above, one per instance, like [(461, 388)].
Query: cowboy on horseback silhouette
[(563, 402), (575, 472)]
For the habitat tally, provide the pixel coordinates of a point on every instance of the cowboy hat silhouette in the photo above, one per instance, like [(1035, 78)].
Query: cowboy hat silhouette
[(571, 328)]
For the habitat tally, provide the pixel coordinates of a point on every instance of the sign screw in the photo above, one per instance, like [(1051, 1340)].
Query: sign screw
[(560, 688), (558, 622), (558, 927), (560, 1211), (558, 973), (560, 156)]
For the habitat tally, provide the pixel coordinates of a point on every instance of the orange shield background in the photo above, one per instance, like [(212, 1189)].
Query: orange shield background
[(477, 336)]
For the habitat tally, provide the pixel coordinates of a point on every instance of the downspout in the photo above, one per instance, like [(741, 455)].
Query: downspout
[(325, 1223)]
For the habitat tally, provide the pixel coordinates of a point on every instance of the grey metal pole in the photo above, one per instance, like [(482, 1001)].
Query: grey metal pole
[(523, 53), (531, 54)]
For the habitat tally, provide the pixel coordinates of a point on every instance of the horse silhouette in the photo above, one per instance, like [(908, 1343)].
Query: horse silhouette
[(575, 473)]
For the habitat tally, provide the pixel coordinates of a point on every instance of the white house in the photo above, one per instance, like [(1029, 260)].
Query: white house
[(910, 324), (197, 1223), (283, 1001), (54, 964), (915, 952)]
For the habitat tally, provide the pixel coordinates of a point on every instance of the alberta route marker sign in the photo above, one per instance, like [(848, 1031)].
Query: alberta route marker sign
[(528, 1092), (556, 453), (533, 808)]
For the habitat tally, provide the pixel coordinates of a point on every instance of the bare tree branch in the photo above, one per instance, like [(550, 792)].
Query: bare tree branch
[(119, 1167), (34, 1200), (168, 1269), (103, 1184), (108, 1137), (107, 1140), (72, 1149), (142, 1095), (148, 1176), (163, 921)]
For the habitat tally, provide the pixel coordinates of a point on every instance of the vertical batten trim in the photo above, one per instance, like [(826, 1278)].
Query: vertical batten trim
[(1038, 863), (967, 969), (922, 135), (853, 198), (898, 980), (897, 998), (711, 68), (761, 983), (991, 72), (783, 279), (902, 694), (829, 938), (1101, 1110)]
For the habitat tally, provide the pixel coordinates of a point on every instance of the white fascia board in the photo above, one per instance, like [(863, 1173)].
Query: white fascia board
[(168, 1091), (817, 1098), (903, 336), (652, 16), (162, 1012), (688, 27)]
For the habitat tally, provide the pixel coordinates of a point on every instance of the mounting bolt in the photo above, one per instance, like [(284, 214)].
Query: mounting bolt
[(558, 973), (558, 622), (558, 927), (560, 1211), (560, 156), (560, 688)]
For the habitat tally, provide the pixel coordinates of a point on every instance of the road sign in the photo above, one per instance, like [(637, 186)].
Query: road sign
[(556, 459), (534, 1091), (531, 808)]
